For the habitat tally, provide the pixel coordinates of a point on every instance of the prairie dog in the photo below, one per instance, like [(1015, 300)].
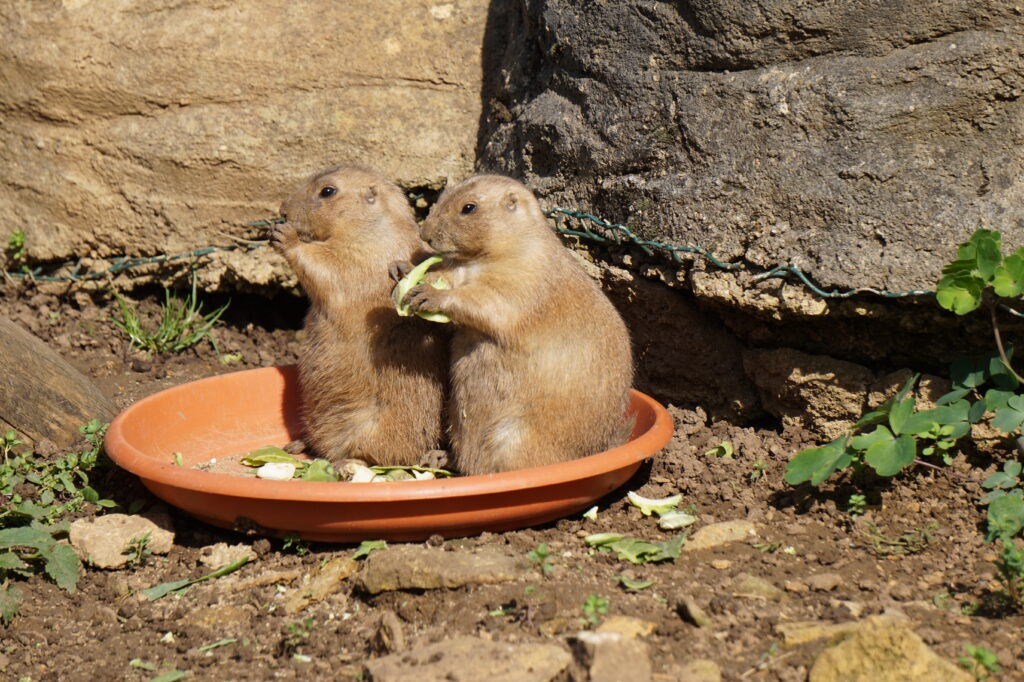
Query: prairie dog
[(541, 361), (372, 383)]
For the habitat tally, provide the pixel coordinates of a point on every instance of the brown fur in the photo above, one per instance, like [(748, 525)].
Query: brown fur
[(541, 360), (372, 382)]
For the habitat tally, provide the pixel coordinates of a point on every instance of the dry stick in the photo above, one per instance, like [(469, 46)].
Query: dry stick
[(946, 471), (999, 343)]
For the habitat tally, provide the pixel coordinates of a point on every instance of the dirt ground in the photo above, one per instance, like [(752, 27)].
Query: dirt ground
[(917, 551)]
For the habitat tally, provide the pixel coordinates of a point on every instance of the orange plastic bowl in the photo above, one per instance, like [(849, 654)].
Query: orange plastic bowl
[(231, 414)]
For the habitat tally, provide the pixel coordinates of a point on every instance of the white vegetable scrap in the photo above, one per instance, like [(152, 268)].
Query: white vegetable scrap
[(276, 471), (648, 505)]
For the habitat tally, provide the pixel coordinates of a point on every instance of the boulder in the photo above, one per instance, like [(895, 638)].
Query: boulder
[(857, 143), (854, 142), (141, 129)]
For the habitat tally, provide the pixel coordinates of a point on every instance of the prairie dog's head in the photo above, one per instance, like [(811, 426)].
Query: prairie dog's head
[(345, 201), (486, 215)]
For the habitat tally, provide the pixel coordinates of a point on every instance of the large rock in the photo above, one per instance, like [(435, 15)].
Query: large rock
[(854, 141), (142, 128), (883, 650), (858, 142)]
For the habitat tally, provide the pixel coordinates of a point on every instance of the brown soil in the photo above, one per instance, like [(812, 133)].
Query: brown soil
[(942, 578)]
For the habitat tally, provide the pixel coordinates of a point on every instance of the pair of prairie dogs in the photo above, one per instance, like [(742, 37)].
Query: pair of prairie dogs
[(534, 369)]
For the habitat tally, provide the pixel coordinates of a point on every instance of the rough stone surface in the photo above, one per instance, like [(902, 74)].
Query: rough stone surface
[(224, 620), (320, 584), (101, 541), (801, 632), (721, 533), (682, 355), (853, 141), (824, 582), (454, 659), (411, 567), (700, 670), (137, 128), (884, 650), (814, 392), (752, 587), (627, 626), (611, 657), (692, 612), (222, 554)]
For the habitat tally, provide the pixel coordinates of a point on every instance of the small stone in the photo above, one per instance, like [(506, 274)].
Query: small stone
[(227, 619), (721, 533), (883, 649), (691, 612), (824, 582), (749, 586), (411, 567), (699, 670), (901, 592), (389, 637), (610, 657), (320, 584), (801, 632), (101, 541), (465, 658), (628, 627), (795, 586), (222, 554), (720, 564)]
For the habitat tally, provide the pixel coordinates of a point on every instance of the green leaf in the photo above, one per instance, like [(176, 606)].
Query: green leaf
[(920, 423), (634, 585), (367, 546), (865, 441), (164, 589), (960, 294), (10, 561), (1008, 279), (1009, 418), (25, 536), (642, 552), (64, 566), (10, 600), (270, 454), (969, 371), (319, 470), (996, 399), (602, 539), (817, 464), (1005, 517), (987, 252), (873, 417), (723, 450), (899, 414), (889, 457), (952, 396), (170, 676)]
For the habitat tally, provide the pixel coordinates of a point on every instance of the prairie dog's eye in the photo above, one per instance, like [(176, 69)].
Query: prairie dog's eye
[(328, 191), (468, 208)]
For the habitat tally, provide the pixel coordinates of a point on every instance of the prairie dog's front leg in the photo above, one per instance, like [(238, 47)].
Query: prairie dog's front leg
[(485, 309), (313, 262)]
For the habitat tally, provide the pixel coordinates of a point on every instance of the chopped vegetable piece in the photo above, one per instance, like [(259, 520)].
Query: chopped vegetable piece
[(415, 277), (648, 505)]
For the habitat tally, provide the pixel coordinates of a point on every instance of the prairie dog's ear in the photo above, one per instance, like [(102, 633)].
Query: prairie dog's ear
[(371, 195), (510, 202)]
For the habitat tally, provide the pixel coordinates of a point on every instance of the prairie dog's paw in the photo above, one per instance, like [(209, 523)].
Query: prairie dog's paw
[(425, 298), (284, 236), (399, 269)]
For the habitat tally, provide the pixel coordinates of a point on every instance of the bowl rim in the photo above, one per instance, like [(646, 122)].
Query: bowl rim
[(130, 458)]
